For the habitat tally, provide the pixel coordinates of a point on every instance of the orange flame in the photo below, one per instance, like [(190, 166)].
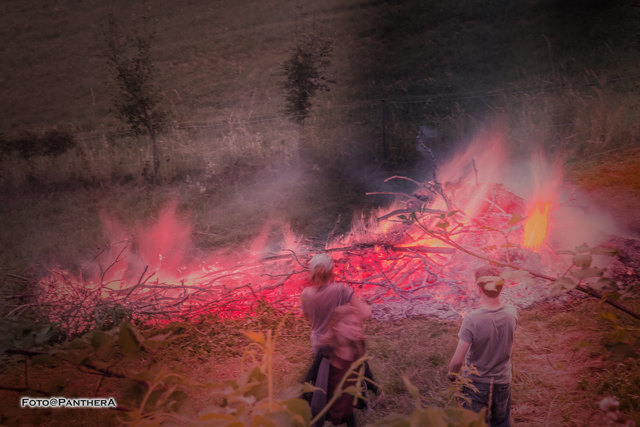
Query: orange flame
[(535, 228)]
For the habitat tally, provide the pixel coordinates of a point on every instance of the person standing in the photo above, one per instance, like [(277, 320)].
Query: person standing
[(485, 343), (324, 295)]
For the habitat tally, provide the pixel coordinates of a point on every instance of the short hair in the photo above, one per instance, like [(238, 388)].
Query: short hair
[(321, 268), (489, 271)]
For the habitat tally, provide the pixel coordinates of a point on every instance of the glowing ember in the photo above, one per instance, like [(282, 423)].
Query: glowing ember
[(397, 266), (535, 228), (418, 258)]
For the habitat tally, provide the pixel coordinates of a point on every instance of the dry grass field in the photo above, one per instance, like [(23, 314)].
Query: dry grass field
[(559, 76)]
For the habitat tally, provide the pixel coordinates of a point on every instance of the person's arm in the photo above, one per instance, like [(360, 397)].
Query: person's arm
[(361, 306), (458, 358), (304, 302)]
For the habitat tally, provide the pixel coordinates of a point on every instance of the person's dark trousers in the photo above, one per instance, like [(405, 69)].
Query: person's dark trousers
[(498, 415), (349, 420)]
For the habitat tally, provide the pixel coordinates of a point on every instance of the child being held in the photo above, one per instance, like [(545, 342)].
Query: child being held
[(340, 347)]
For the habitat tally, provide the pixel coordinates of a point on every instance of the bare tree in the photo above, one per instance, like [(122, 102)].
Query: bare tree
[(138, 100)]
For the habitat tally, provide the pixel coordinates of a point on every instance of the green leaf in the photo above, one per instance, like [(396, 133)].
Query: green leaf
[(300, 407), (273, 419), (620, 351), (413, 391), (586, 273), (77, 344), (44, 335), (419, 418), (101, 341), (75, 357), (430, 417), (393, 420), (561, 285), (582, 260), (255, 336), (612, 295), (443, 224), (128, 339), (352, 390), (577, 345), (465, 417), (213, 417), (609, 316), (176, 399), (144, 377), (252, 383), (620, 335), (309, 388), (583, 248), (602, 283), (452, 213)]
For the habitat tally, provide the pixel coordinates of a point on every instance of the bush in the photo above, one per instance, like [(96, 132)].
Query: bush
[(56, 142), (52, 144)]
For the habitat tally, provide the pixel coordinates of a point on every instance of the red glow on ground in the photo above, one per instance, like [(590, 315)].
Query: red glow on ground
[(154, 271)]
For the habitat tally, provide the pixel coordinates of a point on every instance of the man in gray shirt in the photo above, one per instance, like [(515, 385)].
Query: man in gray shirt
[(485, 341)]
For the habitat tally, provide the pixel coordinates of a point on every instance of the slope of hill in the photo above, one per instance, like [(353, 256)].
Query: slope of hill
[(216, 59), (560, 74)]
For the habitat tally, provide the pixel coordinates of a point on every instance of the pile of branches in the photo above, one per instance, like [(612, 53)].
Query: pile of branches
[(391, 269)]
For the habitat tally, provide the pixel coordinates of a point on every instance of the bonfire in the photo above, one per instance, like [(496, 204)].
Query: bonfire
[(416, 257)]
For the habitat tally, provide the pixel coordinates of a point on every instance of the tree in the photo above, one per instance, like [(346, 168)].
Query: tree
[(138, 100), (304, 71)]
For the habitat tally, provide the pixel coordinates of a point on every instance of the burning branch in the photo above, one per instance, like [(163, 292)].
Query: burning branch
[(418, 257), (533, 238)]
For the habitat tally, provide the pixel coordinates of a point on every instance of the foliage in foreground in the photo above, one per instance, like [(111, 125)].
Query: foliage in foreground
[(144, 369), (155, 393)]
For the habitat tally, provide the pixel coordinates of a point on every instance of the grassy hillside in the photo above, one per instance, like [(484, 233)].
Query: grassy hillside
[(217, 60), (562, 75)]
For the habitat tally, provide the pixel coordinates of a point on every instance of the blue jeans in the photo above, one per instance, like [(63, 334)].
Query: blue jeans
[(499, 413)]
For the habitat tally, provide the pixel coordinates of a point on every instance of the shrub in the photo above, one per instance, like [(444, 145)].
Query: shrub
[(52, 143), (56, 142)]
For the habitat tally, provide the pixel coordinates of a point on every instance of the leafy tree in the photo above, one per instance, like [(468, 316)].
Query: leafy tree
[(305, 75), (138, 100)]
